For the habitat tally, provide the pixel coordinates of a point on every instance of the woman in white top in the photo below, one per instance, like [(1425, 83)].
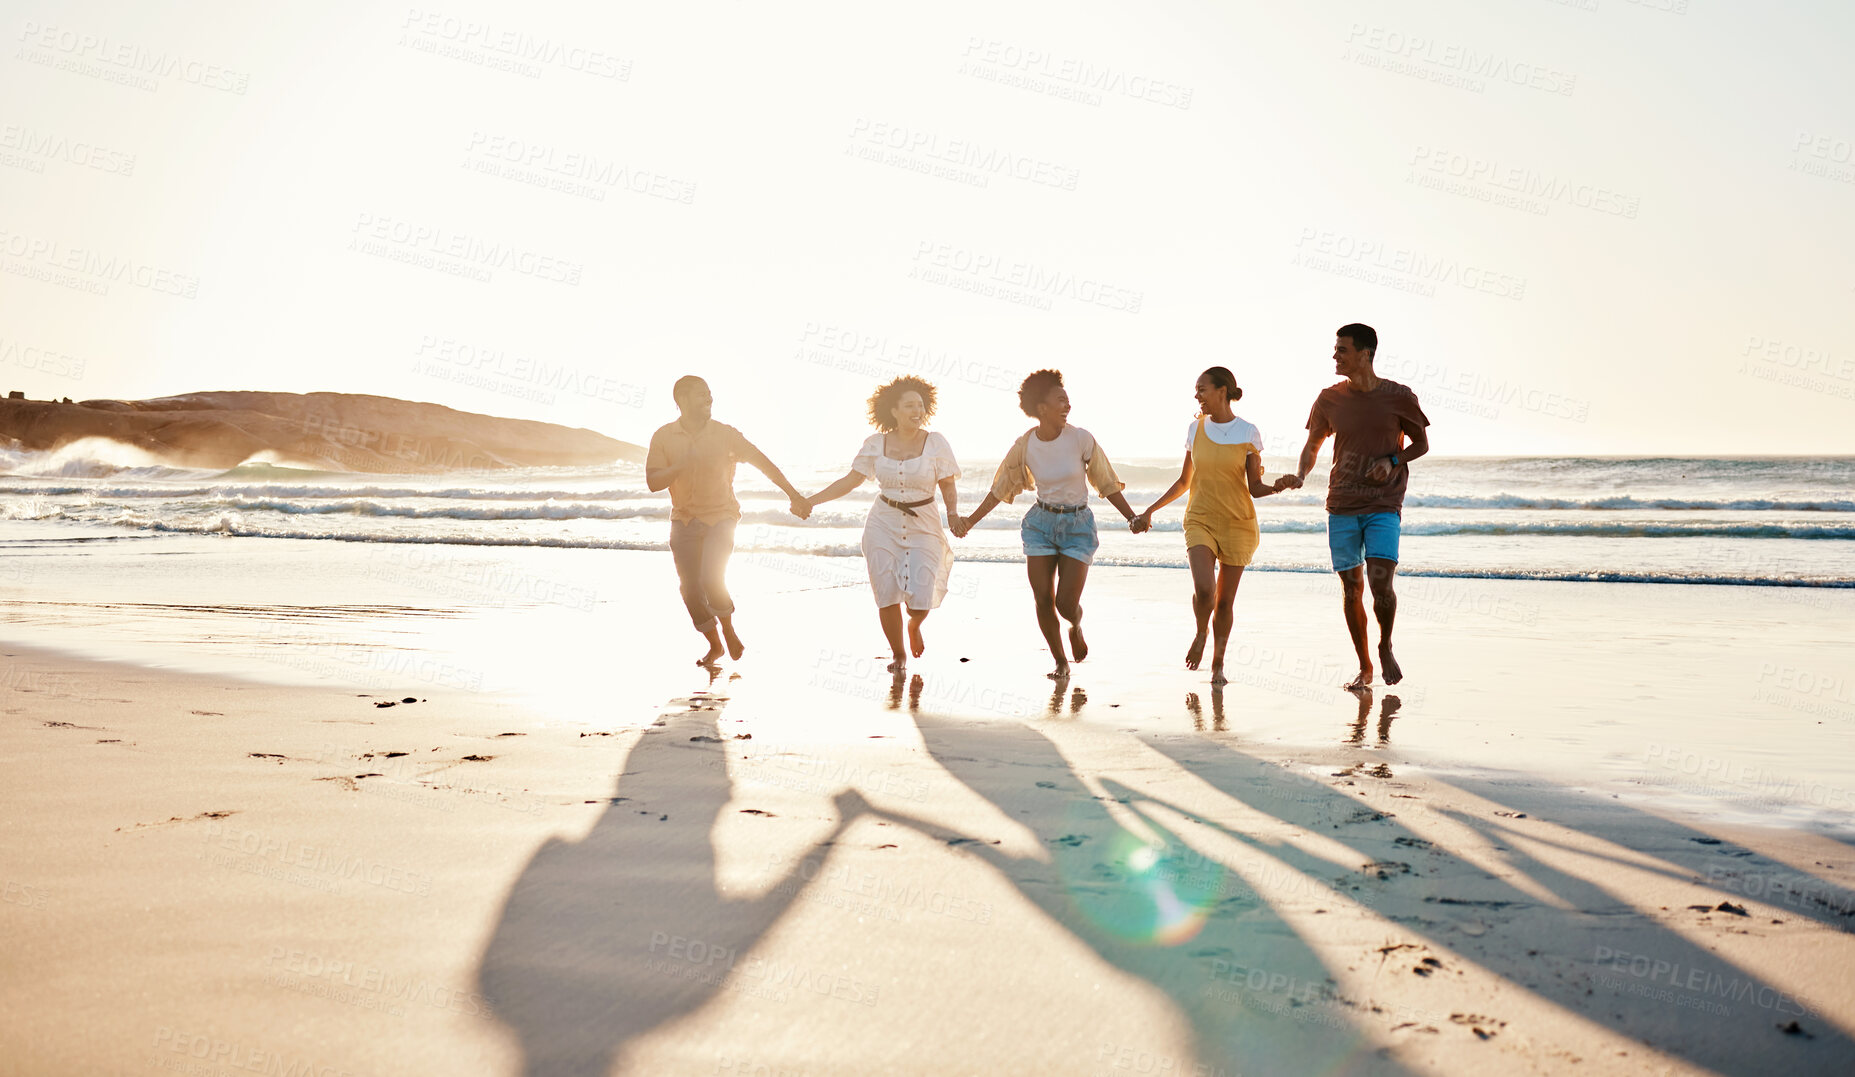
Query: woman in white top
[(1223, 471), (1061, 462), (907, 553)]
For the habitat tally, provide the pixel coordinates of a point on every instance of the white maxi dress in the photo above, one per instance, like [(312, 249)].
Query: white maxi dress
[(909, 557)]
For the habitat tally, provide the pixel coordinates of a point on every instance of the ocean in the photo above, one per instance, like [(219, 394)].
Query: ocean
[(1759, 521)]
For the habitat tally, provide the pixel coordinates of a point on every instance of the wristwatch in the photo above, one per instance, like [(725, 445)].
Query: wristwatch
[(1394, 459)]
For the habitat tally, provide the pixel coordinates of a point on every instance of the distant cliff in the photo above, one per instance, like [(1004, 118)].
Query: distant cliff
[(342, 431)]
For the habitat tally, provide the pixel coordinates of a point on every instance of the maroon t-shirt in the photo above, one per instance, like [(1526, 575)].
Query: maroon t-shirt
[(1365, 427)]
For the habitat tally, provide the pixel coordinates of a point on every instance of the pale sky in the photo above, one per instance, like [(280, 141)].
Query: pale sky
[(1583, 227)]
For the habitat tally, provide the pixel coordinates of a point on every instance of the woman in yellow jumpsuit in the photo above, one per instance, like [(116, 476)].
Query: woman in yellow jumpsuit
[(1223, 471)]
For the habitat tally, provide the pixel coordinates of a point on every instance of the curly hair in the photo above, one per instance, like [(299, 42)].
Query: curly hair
[(886, 397), (1035, 388)]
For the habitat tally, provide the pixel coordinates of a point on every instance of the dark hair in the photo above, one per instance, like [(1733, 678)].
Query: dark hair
[(1222, 378), (1363, 336), (683, 385), (1036, 388), (886, 397)]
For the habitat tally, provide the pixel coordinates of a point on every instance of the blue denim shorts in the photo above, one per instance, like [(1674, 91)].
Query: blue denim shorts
[(1061, 534), (1352, 539)]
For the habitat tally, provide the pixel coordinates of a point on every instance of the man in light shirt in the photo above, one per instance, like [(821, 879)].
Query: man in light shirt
[(694, 459)]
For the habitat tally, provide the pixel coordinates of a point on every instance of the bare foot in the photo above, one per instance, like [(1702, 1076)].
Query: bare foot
[(1077, 644), (915, 643), (735, 646), (899, 665), (1060, 673), (1364, 680), (1217, 675), (715, 650), (1195, 652), (1392, 673)]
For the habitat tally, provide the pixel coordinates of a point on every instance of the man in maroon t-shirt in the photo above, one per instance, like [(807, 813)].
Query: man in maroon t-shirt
[(1370, 420)]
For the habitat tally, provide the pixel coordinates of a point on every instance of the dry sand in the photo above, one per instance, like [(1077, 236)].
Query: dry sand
[(812, 868)]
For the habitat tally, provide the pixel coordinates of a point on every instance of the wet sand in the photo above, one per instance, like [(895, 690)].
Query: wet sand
[(1596, 831)]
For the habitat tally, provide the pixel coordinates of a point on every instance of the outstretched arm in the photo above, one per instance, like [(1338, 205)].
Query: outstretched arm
[(991, 502), (750, 453), (1179, 485), (849, 482), (1309, 454)]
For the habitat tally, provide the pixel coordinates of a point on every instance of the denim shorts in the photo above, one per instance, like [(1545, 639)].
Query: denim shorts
[(1352, 539), (1061, 534)]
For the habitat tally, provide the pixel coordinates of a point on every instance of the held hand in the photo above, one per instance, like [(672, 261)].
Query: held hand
[(1140, 523), (1287, 482), (801, 507), (958, 525)]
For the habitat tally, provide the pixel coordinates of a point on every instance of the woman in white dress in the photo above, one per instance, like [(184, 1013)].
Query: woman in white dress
[(904, 546)]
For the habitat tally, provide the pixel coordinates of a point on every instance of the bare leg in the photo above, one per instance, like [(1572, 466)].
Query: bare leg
[(1204, 599), (916, 645), (1071, 574), (717, 545), (1228, 577), (687, 544), (1379, 573), (891, 617), (1042, 572), (715, 648), (1352, 601)]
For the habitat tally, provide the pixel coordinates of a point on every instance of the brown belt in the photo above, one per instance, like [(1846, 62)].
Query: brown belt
[(908, 507)]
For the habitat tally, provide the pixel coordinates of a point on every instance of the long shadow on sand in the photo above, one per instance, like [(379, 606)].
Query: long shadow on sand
[(1680, 997), (609, 937), (1259, 1000)]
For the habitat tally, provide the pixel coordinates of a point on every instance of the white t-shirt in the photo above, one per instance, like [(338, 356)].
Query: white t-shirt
[(1237, 431), (1062, 475)]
